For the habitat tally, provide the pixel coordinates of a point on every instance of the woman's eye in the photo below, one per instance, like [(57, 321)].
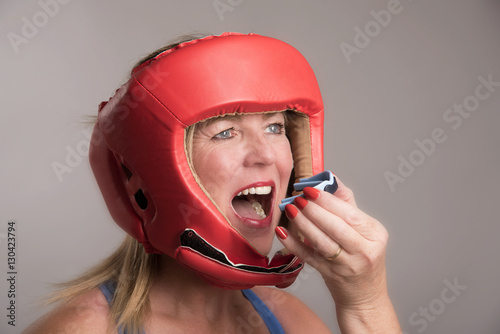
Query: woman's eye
[(226, 134), (275, 128)]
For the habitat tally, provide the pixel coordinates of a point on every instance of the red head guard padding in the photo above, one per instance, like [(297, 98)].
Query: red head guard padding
[(139, 157)]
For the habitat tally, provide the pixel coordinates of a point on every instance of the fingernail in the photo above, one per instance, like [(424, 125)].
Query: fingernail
[(291, 211), (281, 232), (300, 202), (311, 193)]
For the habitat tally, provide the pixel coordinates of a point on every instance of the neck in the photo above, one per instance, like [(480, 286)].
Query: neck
[(179, 292)]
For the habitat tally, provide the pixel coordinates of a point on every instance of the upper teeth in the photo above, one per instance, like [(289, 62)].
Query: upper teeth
[(256, 190)]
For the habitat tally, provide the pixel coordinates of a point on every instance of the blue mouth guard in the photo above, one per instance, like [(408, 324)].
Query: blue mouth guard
[(322, 181)]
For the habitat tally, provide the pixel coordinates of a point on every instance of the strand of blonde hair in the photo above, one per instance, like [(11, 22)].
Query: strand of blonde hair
[(133, 271)]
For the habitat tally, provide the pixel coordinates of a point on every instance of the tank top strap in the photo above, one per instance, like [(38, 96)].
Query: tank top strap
[(269, 318), (272, 323), (108, 290)]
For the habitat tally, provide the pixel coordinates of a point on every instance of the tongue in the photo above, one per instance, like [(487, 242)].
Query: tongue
[(245, 209)]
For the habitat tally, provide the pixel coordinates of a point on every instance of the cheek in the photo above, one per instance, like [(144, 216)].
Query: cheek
[(285, 165), (285, 158), (215, 167)]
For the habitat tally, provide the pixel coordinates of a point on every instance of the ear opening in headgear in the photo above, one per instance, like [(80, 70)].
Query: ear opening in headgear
[(138, 196), (141, 199), (127, 172)]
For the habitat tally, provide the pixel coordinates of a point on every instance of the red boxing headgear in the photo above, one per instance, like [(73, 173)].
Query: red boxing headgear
[(139, 158)]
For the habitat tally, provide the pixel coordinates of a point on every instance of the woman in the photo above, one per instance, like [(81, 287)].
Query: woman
[(193, 155)]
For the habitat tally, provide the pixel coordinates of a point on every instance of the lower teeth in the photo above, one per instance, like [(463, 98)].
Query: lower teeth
[(258, 208)]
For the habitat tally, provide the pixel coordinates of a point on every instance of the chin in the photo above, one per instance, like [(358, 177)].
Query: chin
[(259, 234), (262, 246)]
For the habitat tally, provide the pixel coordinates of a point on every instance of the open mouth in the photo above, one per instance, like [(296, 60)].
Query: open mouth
[(254, 203)]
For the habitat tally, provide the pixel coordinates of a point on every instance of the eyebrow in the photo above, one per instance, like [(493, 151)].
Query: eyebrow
[(272, 113), (237, 117)]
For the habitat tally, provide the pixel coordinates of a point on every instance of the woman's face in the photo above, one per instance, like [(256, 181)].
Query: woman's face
[(244, 162)]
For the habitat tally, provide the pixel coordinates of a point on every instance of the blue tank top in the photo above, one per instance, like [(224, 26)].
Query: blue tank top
[(108, 290)]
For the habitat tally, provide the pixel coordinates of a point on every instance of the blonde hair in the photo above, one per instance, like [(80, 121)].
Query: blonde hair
[(133, 271)]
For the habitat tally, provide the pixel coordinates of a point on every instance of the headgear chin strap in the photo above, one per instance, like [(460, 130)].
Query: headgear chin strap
[(139, 157)]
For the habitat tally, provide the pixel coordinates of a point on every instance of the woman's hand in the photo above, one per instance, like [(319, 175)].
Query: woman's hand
[(347, 246)]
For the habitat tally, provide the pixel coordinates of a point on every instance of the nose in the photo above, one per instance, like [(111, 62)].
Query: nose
[(259, 151)]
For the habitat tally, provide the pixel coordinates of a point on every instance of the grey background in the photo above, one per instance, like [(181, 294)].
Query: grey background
[(442, 219)]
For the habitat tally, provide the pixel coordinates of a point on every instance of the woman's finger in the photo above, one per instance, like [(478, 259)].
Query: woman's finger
[(303, 251), (315, 237), (315, 222), (363, 224)]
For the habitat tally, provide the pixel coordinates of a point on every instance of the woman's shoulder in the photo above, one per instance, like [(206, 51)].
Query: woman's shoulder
[(292, 313), (88, 313)]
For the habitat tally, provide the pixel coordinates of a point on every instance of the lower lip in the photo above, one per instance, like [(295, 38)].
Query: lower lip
[(258, 224)]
